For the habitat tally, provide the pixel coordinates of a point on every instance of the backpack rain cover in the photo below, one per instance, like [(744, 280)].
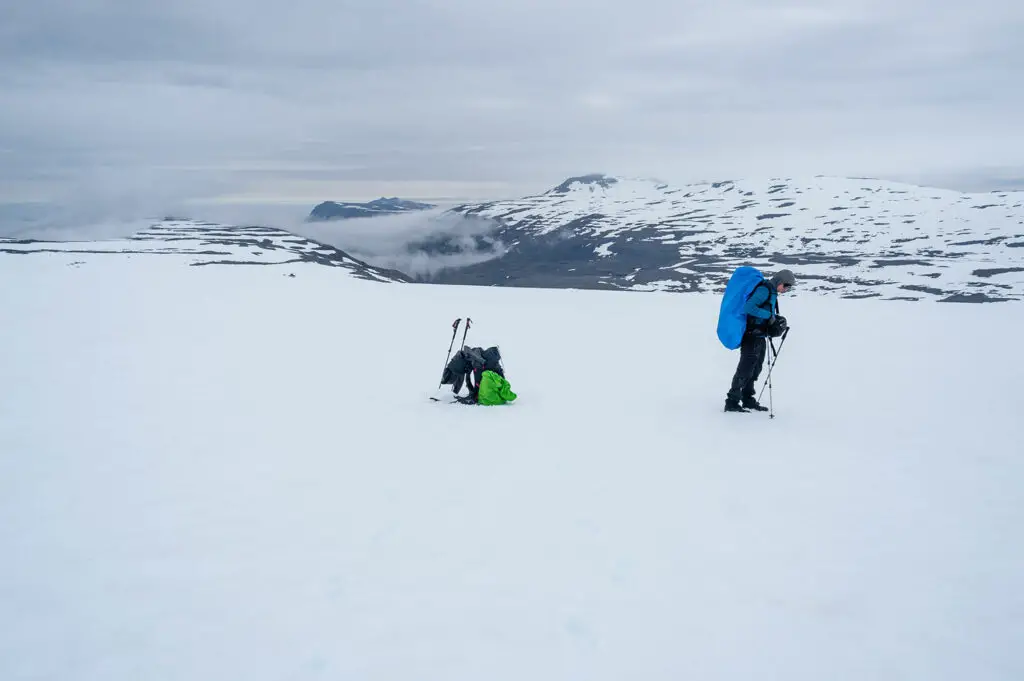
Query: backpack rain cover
[(732, 320)]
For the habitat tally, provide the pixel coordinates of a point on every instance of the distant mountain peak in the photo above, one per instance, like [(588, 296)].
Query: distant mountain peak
[(385, 205), (595, 179)]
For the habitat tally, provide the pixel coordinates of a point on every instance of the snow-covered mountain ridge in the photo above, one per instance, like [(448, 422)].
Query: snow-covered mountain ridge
[(854, 237), (204, 243)]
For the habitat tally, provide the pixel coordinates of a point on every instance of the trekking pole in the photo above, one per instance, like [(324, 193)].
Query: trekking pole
[(775, 357), (768, 379), (468, 322), (455, 330)]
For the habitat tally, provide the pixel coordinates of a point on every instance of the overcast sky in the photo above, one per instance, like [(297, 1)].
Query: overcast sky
[(311, 99)]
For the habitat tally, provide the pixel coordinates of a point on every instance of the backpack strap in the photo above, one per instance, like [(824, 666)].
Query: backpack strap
[(755, 322)]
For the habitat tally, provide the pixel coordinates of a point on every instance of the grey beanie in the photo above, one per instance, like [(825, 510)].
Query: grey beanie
[(784, 277)]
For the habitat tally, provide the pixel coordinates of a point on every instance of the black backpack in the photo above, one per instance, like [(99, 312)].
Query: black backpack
[(468, 366)]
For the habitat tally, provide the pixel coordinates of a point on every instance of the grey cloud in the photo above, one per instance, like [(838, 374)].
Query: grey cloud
[(386, 241), (98, 31), (390, 241), (212, 95)]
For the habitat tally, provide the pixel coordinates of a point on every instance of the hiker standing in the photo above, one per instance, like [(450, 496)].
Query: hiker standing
[(761, 309)]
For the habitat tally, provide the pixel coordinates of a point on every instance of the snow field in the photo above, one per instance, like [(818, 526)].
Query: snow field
[(224, 472)]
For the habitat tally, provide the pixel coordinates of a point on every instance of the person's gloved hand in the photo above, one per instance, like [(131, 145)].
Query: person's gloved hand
[(776, 326)]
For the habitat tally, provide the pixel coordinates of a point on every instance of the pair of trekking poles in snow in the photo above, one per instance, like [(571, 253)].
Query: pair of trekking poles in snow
[(774, 355), (455, 331)]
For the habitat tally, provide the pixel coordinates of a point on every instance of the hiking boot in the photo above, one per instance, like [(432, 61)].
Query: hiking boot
[(733, 405), (752, 403)]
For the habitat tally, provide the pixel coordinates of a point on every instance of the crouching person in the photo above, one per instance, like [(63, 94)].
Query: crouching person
[(481, 372)]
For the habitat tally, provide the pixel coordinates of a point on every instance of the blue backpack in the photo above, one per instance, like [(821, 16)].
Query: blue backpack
[(732, 320)]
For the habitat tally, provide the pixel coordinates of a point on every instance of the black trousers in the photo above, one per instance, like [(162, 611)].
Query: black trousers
[(744, 381)]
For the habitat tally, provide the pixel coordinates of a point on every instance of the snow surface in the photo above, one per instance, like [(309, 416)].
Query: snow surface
[(227, 473)]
